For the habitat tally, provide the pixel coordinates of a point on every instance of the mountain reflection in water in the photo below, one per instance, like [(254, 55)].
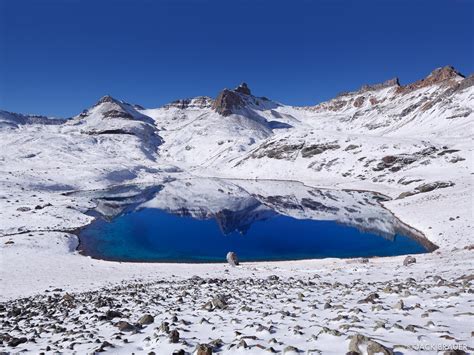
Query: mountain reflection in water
[(200, 220)]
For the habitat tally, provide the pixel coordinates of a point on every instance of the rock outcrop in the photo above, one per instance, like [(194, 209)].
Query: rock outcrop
[(199, 102), (445, 74), (243, 89), (385, 84), (229, 100)]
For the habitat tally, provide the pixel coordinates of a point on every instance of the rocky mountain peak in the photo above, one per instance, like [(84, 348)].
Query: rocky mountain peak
[(446, 74), (226, 101), (199, 102), (385, 84), (243, 89), (105, 99)]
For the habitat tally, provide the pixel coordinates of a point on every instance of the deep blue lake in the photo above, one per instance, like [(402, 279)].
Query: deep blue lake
[(179, 226)]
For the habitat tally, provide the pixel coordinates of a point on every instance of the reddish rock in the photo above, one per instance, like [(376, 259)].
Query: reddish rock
[(227, 101), (373, 101), (445, 74), (359, 101), (385, 84)]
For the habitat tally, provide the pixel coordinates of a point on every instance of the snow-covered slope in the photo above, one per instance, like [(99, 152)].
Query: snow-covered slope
[(201, 132), (412, 143), (14, 120)]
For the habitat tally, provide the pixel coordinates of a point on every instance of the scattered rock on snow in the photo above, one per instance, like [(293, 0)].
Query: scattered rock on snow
[(409, 260)]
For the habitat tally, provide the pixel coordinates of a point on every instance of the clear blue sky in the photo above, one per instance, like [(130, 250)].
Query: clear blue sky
[(58, 57)]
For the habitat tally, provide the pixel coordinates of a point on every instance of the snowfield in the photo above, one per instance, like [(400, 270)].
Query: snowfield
[(413, 144)]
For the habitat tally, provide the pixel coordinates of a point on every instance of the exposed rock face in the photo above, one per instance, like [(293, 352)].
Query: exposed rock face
[(227, 101), (437, 76), (467, 82), (243, 89), (444, 73), (385, 84), (433, 186), (197, 102), (14, 119), (314, 149), (427, 187), (106, 98), (359, 101), (117, 114)]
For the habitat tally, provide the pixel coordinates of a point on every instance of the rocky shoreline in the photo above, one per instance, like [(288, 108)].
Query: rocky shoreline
[(351, 307)]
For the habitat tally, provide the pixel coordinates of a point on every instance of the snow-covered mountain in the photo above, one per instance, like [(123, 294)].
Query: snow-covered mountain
[(411, 144), (401, 140), (14, 120)]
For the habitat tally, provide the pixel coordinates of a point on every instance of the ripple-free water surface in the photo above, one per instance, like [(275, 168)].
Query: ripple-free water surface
[(155, 235)]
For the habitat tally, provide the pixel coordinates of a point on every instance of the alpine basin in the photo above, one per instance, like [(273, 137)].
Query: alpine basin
[(202, 220)]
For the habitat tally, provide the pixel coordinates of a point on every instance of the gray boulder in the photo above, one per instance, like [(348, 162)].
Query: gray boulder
[(232, 258), (409, 260), (146, 319), (372, 346)]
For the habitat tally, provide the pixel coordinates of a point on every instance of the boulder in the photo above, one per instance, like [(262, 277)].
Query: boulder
[(17, 341), (291, 349), (203, 349), (433, 186), (219, 301), (124, 326), (372, 346), (242, 344), (399, 305), (174, 336), (109, 315), (232, 258), (409, 260), (146, 319)]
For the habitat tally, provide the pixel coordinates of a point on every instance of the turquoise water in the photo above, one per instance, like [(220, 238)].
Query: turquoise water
[(155, 235)]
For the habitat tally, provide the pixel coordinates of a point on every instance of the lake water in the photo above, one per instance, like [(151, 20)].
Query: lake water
[(202, 220)]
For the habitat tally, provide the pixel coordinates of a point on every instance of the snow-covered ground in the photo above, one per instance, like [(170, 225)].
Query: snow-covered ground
[(412, 143)]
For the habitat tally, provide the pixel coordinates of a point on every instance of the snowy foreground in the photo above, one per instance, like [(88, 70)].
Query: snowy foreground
[(411, 143)]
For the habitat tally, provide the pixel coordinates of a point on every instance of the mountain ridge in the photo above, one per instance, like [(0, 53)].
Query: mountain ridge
[(226, 99)]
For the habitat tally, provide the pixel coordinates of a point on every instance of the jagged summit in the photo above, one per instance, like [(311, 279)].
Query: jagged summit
[(14, 119), (107, 98), (241, 97), (444, 73), (447, 74), (243, 89), (394, 82), (198, 102), (108, 107), (226, 101), (383, 85)]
